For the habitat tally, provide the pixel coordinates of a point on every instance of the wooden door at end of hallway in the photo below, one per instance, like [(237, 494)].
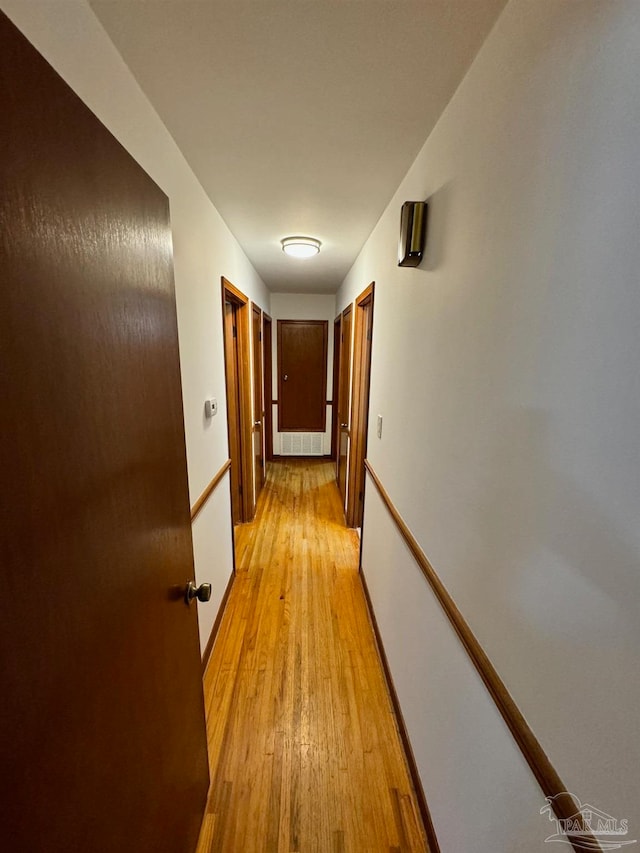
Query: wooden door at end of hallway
[(302, 379), (102, 707), (344, 399), (258, 408)]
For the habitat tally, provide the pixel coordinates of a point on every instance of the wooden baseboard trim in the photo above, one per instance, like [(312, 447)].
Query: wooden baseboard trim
[(204, 497), (432, 840), (538, 761), (216, 625)]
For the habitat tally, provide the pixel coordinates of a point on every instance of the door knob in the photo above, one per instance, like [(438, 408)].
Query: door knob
[(344, 426), (257, 423), (202, 592)]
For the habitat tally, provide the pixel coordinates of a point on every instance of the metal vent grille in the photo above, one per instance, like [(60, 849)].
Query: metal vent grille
[(301, 443)]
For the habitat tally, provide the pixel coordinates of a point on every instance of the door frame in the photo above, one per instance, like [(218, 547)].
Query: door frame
[(230, 293), (335, 388), (344, 401), (267, 394), (360, 405), (258, 397)]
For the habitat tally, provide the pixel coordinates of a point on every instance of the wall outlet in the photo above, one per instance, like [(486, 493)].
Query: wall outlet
[(210, 407), (379, 426)]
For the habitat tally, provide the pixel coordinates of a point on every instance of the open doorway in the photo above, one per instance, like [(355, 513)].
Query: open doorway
[(258, 407), (235, 313), (335, 422), (343, 398), (267, 350)]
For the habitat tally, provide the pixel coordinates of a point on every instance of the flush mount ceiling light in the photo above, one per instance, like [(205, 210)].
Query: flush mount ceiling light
[(300, 247)]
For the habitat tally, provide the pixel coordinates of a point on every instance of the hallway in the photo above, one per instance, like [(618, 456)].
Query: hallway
[(303, 748)]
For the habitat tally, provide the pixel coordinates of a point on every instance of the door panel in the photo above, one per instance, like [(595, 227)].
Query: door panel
[(100, 672), (302, 381), (258, 452), (344, 399)]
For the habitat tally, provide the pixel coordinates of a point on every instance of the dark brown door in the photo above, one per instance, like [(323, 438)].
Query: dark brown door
[(344, 401), (233, 408), (268, 383), (360, 405), (302, 379), (258, 412), (102, 714), (335, 423)]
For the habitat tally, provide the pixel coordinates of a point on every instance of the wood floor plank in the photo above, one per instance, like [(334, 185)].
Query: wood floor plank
[(304, 751)]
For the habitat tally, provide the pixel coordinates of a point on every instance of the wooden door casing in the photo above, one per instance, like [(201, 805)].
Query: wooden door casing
[(302, 375), (233, 410), (344, 398), (267, 350), (237, 357), (100, 671), (362, 344), (258, 408), (335, 423)]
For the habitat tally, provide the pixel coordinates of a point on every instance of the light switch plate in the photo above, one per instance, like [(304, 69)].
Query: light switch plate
[(379, 426), (210, 407)]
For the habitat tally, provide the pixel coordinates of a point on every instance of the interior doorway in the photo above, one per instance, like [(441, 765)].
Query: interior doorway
[(335, 422), (344, 396), (360, 404), (258, 407), (267, 356), (235, 312)]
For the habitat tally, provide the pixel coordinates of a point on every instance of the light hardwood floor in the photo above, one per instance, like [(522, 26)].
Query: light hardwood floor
[(304, 751)]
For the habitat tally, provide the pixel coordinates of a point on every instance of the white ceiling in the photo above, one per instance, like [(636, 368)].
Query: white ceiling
[(299, 116)]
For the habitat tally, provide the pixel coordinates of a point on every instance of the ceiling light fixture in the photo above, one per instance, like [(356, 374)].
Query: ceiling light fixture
[(300, 247)]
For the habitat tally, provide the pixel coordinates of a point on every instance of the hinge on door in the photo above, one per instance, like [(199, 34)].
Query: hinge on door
[(368, 334), (235, 331), (259, 336), (360, 496)]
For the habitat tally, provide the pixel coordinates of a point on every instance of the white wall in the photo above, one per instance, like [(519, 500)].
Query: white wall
[(303, 306), (481, 793), (72, 40), (506, 369)]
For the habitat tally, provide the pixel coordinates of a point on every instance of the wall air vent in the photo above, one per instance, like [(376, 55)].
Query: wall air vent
[(301, 443)]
